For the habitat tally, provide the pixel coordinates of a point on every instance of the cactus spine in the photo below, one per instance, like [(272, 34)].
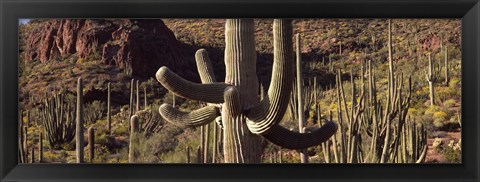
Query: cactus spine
[(91, 144), (79, 123)]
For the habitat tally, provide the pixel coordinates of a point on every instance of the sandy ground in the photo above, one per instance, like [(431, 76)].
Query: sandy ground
[(432, 155)]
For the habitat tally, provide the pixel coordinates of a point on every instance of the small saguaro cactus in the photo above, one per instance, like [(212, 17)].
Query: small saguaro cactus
[(188, 154), (91, 144), (137, 105), (109, 114), (214, 148), (199, 155), (145, 97), (25, 142), (206, 146), (280, 158), (79, 123), (131, 99), (447, 77), (202, 141), (340, 48), (21, 137), (245, 118), (431, 76), (32, 155), (40, 147), (133, 138)]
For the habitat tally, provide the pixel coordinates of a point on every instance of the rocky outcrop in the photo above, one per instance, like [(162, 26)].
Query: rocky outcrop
[(141, 46)]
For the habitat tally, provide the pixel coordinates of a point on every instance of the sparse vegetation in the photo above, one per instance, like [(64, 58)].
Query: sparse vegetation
[(47, 96)]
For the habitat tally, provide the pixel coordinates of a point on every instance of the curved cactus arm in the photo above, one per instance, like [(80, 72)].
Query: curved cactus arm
[(195, 118), (205, 70), (232, 106), (271, 109), (421, 158), (294, 140), (204, 66), (211, 93)]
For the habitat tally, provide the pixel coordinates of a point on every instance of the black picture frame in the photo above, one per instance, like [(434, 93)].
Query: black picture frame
[(11, 11)]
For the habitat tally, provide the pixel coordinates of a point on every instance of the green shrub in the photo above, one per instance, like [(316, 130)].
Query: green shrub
[(52, 156), (154, 148), (449, 103), (432, 109), (453, 152), (94, 111), (439, 118), (80, 61)]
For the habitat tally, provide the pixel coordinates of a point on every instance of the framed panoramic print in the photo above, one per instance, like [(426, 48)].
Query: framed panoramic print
[(239, 90)]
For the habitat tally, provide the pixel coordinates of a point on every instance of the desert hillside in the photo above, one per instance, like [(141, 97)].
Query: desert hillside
[(338, 58)]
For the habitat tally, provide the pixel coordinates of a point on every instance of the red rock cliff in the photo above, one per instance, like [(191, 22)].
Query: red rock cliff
[(142, 45)]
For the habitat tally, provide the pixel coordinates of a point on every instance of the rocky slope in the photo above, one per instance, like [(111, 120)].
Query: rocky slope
[(141, 46)]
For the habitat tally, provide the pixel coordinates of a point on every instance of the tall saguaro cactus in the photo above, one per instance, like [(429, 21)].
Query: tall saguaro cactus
[(188, 155), (447, 77), (245, 118), (206, 146), (137, 105), (21, 139), (79, 124), (109, 114), (214, 148), (32, 154), (40, 147), (145, 97), (390, 58), (300, 112), (431, 76), (131, 99)]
